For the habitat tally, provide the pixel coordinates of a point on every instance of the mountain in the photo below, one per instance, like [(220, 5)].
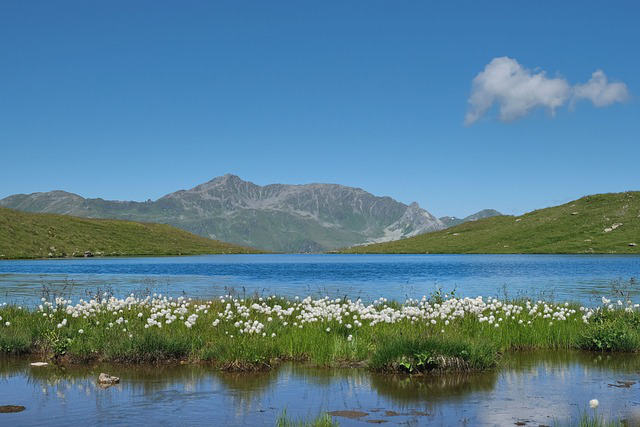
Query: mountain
[(602, 223), (450, 221), (31, 235), (277, 217)]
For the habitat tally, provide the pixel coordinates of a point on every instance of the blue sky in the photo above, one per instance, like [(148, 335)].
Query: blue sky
[(135, 99)]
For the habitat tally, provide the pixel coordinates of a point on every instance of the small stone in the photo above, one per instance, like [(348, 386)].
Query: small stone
[(107, 380), (633, 244), (38, 364), (8, 409), (607, 230), (574, 213)]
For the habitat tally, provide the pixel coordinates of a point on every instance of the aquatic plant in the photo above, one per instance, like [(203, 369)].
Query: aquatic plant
[(417, 336), (595, 419), (323, 420)]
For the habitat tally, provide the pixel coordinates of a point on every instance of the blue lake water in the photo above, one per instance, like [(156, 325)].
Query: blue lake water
[(537, 388), (583, 278), (540, 388)]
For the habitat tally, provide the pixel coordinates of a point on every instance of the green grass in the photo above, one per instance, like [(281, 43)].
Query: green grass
[(577, 227), (30, 235), (320, 421), (119, 331), (593, 418), (397, 353)]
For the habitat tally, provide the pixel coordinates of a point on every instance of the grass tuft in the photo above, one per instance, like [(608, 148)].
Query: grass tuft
[(324, 420)]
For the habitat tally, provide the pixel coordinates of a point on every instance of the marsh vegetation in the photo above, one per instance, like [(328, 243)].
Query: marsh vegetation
[(441, 333)]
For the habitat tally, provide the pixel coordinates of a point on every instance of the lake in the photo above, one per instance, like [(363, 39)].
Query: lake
[(535, 388), (583, 278)]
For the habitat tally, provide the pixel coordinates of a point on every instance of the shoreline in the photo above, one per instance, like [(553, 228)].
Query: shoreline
[(441, 333), (580, 254)]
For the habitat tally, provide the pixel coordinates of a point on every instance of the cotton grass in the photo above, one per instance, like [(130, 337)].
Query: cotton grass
[(260, 332)]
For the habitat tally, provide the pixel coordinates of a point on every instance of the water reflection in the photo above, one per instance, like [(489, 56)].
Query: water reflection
[(403, 389), (536, 387)]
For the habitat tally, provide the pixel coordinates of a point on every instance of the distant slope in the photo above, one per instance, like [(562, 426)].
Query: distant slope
[(450, 221), (29, 235), (276, 217), (587, 225)]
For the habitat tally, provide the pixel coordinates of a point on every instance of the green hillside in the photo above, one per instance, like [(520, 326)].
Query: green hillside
[(30, 235), (587, 225)]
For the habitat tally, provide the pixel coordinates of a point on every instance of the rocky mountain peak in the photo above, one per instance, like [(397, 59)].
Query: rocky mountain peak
[(276, 217)]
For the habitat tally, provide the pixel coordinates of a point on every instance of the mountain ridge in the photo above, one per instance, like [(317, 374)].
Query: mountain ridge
[(276, 217), (451, 221), (600, 223)]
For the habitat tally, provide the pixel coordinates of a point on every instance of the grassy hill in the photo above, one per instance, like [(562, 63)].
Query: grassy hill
[(586, 225), (30, 235)]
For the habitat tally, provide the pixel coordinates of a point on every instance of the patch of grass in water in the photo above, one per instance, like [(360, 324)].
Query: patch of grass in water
[(420, 355), (323, 420), (594, 419), (256, 334), (612, 331)]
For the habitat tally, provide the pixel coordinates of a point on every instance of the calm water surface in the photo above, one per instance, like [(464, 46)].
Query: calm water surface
[(534, 388), (582, 278), (537, 388)]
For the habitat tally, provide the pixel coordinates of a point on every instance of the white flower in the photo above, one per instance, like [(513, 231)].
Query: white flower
[(594, 403)]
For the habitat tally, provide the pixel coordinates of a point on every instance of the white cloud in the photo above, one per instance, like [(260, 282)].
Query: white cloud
[(599, 91), (518, 91)]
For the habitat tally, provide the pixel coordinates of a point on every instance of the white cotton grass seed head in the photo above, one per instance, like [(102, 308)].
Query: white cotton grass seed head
[(593, 403)]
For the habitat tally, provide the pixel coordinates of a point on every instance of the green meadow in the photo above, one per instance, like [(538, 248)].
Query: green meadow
[(601, 223), (31, 235)]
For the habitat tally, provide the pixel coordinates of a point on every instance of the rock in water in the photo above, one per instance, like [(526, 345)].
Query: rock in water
[(107, 380), (39, 364), (7, 409)]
